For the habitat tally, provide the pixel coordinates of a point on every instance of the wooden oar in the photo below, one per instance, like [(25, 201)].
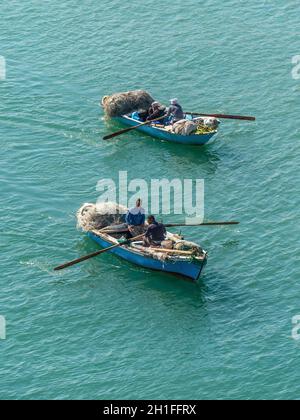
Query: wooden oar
[(229, 117), (202, 224), (95, 254), (179, 225), (126, 130), (172, 251)]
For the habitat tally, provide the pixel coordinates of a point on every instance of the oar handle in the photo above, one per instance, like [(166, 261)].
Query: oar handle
[(126, 130), (224, 116)]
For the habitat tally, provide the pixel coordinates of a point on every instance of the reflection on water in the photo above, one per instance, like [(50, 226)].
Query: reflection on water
[(171, 154)]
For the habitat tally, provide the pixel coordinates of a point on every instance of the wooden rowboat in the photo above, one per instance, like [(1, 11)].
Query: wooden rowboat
[(182, 263), (161, 133)]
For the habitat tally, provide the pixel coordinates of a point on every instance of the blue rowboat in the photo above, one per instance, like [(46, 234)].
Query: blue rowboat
[(150, 258), (163, 134)]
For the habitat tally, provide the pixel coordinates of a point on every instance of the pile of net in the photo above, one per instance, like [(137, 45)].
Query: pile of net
[(98, 216), (196, 126), (189, 246), (125, 103), (173, 244), (206, 124), (185, 127)]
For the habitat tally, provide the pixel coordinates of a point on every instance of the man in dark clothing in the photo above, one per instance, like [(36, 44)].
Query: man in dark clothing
[(156, 233), (143, 115), (175, 111), (156, 111)]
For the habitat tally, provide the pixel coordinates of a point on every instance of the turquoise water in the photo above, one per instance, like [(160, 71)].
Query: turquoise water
[(107, 329)]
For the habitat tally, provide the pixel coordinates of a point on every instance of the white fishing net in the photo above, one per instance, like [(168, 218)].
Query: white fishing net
[(98, 216), (124, 103)]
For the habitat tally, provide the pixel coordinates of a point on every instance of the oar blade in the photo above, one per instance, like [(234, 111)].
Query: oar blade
[(202, 224), (62, 267), (118, 133), (77, 261), (95, 254), (235, 117), (224, 116)]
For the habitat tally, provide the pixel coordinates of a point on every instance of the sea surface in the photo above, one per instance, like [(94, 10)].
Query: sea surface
[(106, 329)]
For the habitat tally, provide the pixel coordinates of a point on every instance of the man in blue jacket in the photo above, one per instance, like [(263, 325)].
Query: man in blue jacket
[(135, 219)]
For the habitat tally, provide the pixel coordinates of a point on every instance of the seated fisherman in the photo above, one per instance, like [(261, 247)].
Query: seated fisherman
[(156, 233), (135, 220), (143, 115), (175, 111), (156, 111)]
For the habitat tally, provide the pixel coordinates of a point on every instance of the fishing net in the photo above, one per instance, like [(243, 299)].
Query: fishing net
[(197, 126), (207, 124), (185, 127), (188, 246), (125, 103), (98, 216)]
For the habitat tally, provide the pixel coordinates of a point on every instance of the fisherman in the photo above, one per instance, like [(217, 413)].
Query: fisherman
[(175, 111), (135, 220), (156, 233), (143, 115), (156, 111)]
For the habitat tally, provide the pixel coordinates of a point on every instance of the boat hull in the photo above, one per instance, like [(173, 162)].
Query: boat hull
[(198, 140), (185, 269)]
